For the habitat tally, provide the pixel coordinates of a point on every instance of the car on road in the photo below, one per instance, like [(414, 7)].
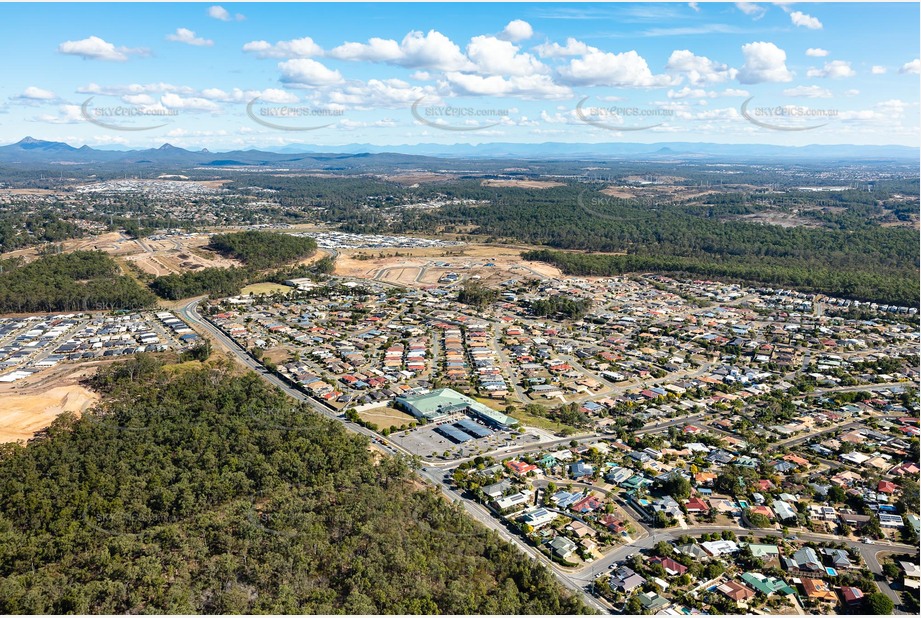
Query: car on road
[(867, 541)]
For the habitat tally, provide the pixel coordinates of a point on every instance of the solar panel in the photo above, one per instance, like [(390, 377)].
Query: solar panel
[(477, 431), (452, 434)]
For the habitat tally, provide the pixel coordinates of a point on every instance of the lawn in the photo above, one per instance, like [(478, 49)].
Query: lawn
[(265, 288), (385, 417), (528, 419)]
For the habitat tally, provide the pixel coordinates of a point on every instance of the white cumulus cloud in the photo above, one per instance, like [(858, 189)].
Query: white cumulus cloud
[(196, 104), (816, 52), (34, 93), (517, 30), (493, 56), (764, 62), (573, 47), (381, 93), (307, 72), (96, 48), (184, 35), (431, 50), (296, 48), (805, 21), (626, 69), (527, 86), (812, 92), (912, 67), (835, 69), (219, 12), (698, 69)]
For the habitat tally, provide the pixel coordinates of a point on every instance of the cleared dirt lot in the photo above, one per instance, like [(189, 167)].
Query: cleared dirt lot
[(523, 184), (173, 255), (425, 266), (265, 288), (30, 405), (412, 178)]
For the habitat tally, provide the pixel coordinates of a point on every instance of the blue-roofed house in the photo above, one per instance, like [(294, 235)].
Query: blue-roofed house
[(581, 469)]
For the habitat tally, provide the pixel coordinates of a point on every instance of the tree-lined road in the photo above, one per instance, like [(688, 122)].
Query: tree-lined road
[(576, 580)]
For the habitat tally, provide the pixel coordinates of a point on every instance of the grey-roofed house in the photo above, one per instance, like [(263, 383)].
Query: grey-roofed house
[(626, 580), (693, 550), (783, 510), (667, 505), (562, 547), (652, 601), (805, 559), (497, 489), (837, 558)]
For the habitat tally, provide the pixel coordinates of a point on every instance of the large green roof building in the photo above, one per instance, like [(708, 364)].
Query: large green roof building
[(443, 402)]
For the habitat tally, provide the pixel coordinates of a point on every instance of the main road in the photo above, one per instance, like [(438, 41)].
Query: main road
[(578, 580), (432, 474)]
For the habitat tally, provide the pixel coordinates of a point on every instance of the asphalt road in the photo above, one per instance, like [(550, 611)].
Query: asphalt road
[(433, 474), (579, 580)]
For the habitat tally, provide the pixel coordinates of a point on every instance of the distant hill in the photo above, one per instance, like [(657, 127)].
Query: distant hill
[(367, 156)]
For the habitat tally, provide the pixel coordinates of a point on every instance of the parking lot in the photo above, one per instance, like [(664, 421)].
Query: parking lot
[(427, 443)]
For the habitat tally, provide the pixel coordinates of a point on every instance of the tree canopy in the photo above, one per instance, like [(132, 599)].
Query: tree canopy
[(203, 491), (263, 249), (78, 281)]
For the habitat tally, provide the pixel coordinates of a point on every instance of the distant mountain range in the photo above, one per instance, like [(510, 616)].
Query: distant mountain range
[(31, 151)]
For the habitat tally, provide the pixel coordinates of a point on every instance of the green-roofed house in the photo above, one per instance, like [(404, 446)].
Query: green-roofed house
[(652, 601), (914, 522), (443, 402), (764, 552), (635, 482), (767, 585)]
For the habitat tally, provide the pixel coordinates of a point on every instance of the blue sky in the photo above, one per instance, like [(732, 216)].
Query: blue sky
[(267, 75)]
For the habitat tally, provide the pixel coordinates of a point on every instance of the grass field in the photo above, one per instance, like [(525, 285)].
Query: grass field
[(530, 419), (386, 417), (265, 288)]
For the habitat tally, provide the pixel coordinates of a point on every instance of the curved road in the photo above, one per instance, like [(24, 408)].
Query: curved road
[(577, 580), (433, 474)]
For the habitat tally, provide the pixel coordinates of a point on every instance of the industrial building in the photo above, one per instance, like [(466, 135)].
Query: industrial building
[(441, 403)]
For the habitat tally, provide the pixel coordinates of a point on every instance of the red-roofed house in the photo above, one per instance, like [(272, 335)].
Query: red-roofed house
[(613, 524), (696, 505), (852, 597), (671, 567), (736, 591), (886, 487), (586, 505), (520, 467)]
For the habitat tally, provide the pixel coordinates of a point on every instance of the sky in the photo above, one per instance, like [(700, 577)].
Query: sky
[(244, 75)]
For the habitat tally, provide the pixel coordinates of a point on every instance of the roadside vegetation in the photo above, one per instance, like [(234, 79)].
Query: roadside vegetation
[(202, 491)]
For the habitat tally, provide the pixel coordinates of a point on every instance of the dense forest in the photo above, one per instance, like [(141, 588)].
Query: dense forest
[(263, 249), (850, 256), (213, 281), (257, 250), (564, 306), (476, 294), (194, 490), (24, 229), (899, 289), (78, 281)]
